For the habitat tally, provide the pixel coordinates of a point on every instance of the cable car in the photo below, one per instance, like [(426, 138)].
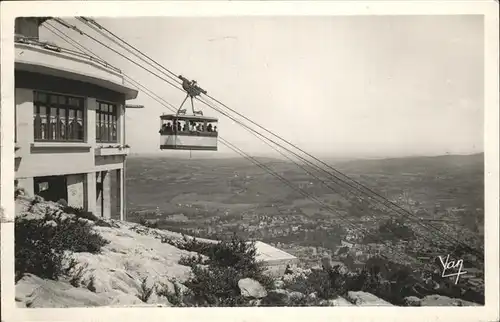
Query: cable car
[(188, 132)]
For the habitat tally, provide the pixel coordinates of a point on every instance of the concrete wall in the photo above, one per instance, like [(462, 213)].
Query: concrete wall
[(76, 190)]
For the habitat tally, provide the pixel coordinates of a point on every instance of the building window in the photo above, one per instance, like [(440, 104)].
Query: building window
[(58, 117), (106, 122)]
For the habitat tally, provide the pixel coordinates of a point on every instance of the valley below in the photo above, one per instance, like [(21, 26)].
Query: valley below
[(217, 198)]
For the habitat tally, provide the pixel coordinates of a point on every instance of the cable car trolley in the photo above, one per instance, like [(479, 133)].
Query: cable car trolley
[(181, 131)]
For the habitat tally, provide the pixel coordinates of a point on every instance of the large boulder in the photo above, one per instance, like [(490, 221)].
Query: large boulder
[(251, 288), (412, 301), (126, 300), (365, 299), (158, 299), (339, 301), (440, 300), (32, 291), (127, 259), (97, 279)]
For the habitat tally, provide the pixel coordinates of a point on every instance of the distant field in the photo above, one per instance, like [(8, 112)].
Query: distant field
[(217, 197), (155, 182)]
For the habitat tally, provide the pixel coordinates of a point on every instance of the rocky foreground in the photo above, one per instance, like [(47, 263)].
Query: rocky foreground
[(138, 262)]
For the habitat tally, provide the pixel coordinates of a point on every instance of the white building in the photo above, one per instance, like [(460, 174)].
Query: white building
[(69, 124)]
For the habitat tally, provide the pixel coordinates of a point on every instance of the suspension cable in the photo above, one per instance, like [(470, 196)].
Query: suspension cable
[(251, 122)]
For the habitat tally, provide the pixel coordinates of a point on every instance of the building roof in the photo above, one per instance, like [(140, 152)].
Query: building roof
[(188, 117), (50, 59)]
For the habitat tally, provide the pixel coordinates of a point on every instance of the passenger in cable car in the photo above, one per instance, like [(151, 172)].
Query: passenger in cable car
[(179, 128), (198, 127), (209, 128), (193, 127), (185, 127), (169, 127), (163, 129)]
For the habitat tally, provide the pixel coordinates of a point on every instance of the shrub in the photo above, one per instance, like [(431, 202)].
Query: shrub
[(193, 245), (234, 252), (40, 244), (145, 291), (76, 236), (215, 286), (326, 283), (148, 223), (80, 213), (34, 252), (91, 285), (175, 298), (76, 275), (191, 260), (390, 281), (228, 262)]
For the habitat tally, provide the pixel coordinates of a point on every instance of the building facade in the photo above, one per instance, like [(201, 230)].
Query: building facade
[(69, 125)]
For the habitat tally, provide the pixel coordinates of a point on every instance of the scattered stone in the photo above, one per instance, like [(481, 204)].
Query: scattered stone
[(32, 291), (277, 297), (412, 301), (313, 296), (125, 299), (440, 300), (339, 301), (251, 288), (254, 302), (296, 296), (279, 284), (365, 299)]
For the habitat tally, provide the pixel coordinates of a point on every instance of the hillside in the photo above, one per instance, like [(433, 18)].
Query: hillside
[(155, 182), (127, 264), (219, 197)]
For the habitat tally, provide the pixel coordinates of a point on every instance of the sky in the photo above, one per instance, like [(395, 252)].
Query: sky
[(336, 86)]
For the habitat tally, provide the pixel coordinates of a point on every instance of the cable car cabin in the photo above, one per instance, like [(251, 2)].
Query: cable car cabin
[(193, 132)]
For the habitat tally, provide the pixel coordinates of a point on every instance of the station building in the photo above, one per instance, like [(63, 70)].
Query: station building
[(69, 124)]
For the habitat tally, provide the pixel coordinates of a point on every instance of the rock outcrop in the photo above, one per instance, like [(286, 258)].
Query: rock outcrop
[(112, 277), (251, 288), (366, 299), (139, 268), (32, 291), (437, 300)]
